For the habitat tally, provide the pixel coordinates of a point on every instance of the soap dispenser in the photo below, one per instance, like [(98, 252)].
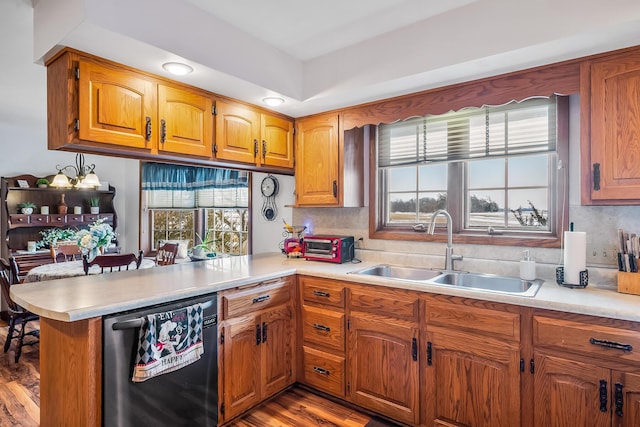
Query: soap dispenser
[(527, 267)]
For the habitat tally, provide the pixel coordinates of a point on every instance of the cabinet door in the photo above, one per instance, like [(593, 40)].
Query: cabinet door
[(383, 366), (185, 121), (237, 132), (277, 142), (115, 106), (277, 347), (241, 364), (317, 161), (625, 403), (471, 380), (615, 128), (567, 393)]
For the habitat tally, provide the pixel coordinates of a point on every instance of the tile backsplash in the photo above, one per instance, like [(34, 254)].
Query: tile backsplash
[(599, 222)]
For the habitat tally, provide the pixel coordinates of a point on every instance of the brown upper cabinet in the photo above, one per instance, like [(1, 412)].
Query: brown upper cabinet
[(95, 105), (330, 164), (610, 105), (111, 109), (244, 134)]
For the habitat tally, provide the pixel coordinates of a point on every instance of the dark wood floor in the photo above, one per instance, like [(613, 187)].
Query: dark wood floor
[(20, 400)]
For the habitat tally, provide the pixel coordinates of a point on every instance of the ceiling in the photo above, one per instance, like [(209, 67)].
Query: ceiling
[(329, 54)]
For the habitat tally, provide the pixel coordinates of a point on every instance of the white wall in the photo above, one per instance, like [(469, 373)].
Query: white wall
[(267, 235)]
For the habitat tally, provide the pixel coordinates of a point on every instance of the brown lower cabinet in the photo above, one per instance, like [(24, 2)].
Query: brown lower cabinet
[(587, 372), (256, 345)]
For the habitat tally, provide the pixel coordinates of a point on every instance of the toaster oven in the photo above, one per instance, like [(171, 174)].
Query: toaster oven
[(336, 249)]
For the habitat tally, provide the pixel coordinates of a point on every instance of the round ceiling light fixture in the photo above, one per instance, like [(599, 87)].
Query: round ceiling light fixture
[(273, 101), (177, 68)]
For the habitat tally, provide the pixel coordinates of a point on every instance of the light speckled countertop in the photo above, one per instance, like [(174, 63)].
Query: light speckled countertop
[(85, 297)]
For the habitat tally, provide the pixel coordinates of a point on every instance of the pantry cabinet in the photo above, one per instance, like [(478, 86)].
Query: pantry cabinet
[(247, 135), (256, 341), (610, 105)]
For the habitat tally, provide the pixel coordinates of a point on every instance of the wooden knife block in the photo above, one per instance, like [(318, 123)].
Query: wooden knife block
[(629, 283)]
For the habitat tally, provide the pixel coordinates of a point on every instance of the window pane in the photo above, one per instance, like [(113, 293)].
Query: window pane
[(529, 208), (486, 173), (402, 179), (431, 202), (172, 224), (486, 208), (432, 177), (228, 230), (529, 171), (402, 207)]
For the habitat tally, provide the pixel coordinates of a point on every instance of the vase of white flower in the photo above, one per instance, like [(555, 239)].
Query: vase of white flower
[(95, 240)]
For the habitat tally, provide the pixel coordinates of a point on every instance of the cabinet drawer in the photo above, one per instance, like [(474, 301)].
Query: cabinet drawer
[(18, 220), (57, 219), (254, 299), (39, 219), (74, 219), (323, 328), (90, 217), (586, 338), (391, 303), (494, 323), (322, 291), (323, 370)]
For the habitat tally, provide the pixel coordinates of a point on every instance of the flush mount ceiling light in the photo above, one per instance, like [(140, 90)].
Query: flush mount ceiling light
[(272, 101), (177, 68)]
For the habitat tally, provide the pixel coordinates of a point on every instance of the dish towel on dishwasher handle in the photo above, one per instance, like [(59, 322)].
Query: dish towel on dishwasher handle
[(168, 341)]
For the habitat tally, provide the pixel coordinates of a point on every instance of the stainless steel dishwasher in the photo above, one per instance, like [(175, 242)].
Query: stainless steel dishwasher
[(187, 396)]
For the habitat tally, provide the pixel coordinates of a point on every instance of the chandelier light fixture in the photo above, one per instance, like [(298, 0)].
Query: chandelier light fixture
[(85, 176)]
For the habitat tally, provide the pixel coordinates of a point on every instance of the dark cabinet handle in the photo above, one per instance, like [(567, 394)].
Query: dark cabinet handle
[(603, 396), (414, 349), (335, 188), (322, 294), (163, 131), (264, 149), (255, 148), (596, 176), (261, 299), (147, 128), (618, 397), (611, 344), (429, 354), (321, 327), (320, 370), (258, 334), (264, 332)]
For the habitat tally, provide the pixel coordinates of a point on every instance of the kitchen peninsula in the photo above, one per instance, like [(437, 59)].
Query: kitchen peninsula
[(550, 325)]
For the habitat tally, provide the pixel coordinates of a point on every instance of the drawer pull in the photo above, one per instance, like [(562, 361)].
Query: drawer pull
[(322, 294), (261, 299), (619, 399), (611, 344), (321, 327), (320, 370)]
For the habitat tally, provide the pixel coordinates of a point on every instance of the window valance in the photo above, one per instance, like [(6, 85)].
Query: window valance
[(161, 176)]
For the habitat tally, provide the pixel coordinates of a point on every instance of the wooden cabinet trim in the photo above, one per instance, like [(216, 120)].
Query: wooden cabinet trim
[(238, 303), (390, 302), (324, 371), (315, 290), (323, 328)]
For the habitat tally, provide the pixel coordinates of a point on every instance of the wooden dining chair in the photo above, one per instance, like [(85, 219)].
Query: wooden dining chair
[(18, 316), (166, 254), (114, 262), (66, 253)]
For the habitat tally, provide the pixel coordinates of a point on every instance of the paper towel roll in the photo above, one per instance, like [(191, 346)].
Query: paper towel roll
[(575, 256)]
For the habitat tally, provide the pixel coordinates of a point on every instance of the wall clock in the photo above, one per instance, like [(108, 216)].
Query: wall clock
[(269, 189)]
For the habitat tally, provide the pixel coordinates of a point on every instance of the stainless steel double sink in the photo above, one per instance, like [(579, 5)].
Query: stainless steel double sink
[(480, 282)]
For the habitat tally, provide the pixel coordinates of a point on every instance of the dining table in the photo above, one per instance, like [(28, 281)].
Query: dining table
[(62, 270)]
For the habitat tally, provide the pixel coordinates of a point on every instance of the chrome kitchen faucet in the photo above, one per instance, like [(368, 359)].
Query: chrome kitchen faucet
[(449, 256)]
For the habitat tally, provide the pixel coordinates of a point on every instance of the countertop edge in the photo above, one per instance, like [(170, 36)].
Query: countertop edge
[(242, 271)]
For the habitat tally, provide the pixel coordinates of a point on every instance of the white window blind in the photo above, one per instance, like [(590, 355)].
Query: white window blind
[(524, 127)]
